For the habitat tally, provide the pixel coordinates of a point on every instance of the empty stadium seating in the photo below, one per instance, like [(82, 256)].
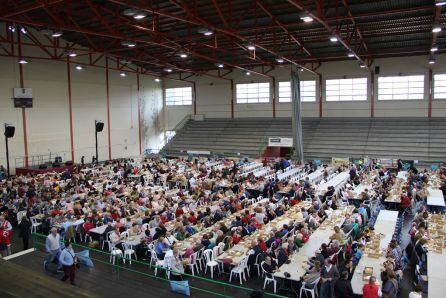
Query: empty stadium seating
[(419, 139)]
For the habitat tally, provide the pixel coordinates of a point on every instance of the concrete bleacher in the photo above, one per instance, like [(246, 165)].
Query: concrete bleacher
[(416, 138)]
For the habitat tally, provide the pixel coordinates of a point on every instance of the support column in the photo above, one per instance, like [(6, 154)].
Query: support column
[(429, 108), (70, 109), (139, 113), (232, 98), (320, 95), (194, 98), (22, 85), (372, 94), (108, 108), (274, 96)]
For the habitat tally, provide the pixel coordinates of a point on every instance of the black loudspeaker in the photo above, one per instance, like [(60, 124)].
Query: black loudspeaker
[(377, 70), (99, 126), (9, 131), (58, 159)]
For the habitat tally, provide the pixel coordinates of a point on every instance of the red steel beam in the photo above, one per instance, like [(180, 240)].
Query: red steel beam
[(29, 8), (320, 19), (294, 38), (195, 20)]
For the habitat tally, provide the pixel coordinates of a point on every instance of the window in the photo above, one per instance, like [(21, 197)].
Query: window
[(346, 89), (179, 96), (440, 86), (253, 93), (307, 91), (401, 87)]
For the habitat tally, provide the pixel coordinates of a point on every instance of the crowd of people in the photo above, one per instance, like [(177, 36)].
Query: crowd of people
[(167, 202)]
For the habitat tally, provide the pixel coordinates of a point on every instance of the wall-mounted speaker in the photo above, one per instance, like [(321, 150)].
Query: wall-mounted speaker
[(9, 131), (377, 70), (99, 126)]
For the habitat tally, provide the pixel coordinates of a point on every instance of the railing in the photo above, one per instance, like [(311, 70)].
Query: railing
[(196, 283)]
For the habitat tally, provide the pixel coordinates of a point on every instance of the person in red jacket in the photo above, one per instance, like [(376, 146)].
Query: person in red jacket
[(371, 289), (405, 201)]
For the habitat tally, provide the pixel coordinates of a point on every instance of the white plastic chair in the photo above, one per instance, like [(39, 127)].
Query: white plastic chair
[(268, 278), (194, 263), (125, 235), (114, 252), (34, 225), (155, 261), (128, 252), (20, 215), (310, 288), (145, 227), (239, 270), (210, 262)]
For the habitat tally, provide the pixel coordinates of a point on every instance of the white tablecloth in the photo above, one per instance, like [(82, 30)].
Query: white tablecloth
[(385, 224), (435, 197)]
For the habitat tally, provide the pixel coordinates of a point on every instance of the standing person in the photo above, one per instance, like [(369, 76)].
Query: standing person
[(329, 276), (370, 290), (52, 246), (5, 236), (343, 287), (25, 231), (68, 260)]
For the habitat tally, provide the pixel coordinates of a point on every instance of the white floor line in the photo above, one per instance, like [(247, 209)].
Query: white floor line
[(19, 254)]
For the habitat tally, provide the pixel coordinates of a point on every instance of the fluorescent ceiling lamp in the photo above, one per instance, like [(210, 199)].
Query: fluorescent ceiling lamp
[(23, 30), (22, 61), (248, 73), (168, 70), (123, 74), (333, 38), (279, 60), (157, 80), (56, 34), (436, 28), (220, 65), (431, 60), (205, 31), (351, 54), (440, 2), (79, 67), (140, 15), (183, 55), (306, 19), (434, 47)]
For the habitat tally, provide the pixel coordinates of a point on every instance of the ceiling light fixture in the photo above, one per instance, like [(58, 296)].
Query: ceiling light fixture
[(248, 73), (157, 80), (362, 65), (440, 2), (72, 54), (140, 15), (434, 47), (129, 44), (123, 74), (279, 60), (23, 30), (183, 55), (351, 54), (432, 60), (306, 19), (220, 65), (168, 69), (11, 28), (22, 61), (205, 31), (56, 34), (436, 28), (251, 47), (333, 38), (79, 67), (130, 12)]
